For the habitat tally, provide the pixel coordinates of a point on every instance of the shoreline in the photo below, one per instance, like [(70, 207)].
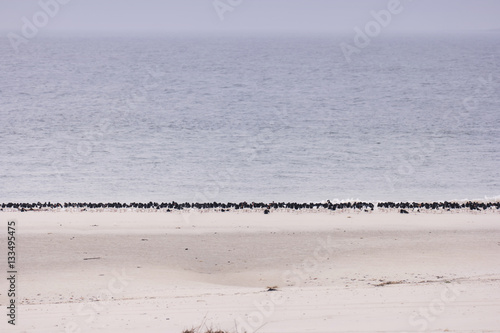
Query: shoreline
[(266, 208)]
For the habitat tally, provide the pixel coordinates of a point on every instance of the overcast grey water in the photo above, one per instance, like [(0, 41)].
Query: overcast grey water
[(250, 118)]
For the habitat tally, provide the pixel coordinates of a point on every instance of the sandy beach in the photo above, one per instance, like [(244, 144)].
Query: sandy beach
[(249, 166), (283, 272)]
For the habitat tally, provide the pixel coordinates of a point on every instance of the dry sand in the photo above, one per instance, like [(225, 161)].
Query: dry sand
[(343, 272)]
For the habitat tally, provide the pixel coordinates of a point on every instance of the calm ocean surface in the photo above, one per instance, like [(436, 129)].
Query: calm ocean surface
[(255, 119)]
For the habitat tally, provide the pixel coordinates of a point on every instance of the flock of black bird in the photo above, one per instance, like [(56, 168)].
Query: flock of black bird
[(403, 207)]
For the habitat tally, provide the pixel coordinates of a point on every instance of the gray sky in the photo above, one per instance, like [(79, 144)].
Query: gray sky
[(266, 16)]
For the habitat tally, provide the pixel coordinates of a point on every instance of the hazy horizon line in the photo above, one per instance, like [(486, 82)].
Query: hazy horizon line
[(249, 33)]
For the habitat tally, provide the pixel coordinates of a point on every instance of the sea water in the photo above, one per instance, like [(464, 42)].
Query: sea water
[(250, 118)]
